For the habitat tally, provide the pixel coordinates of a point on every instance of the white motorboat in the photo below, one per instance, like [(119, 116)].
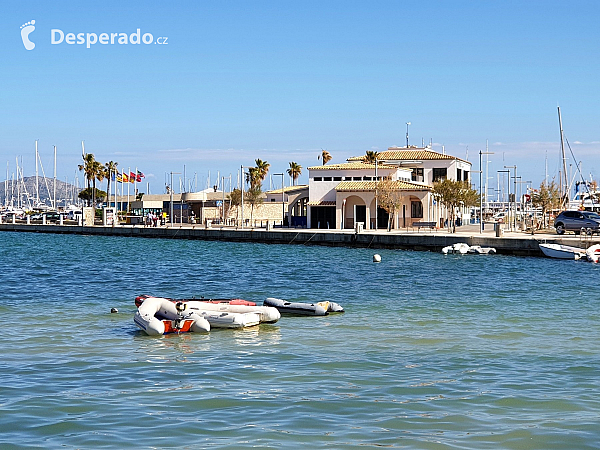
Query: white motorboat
[(593, 253), (562, 251), (459, 247), (479, 250)]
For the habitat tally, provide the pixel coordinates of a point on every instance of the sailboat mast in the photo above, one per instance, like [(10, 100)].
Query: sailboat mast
[(564, 187), (55, 206), (37, 192)]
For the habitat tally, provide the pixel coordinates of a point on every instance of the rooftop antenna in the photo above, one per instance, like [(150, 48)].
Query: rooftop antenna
[(407, 124)]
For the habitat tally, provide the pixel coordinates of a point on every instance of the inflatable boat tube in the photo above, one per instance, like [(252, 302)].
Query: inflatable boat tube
[(230, 320), (303, 309), (158, 316), (230, 301), (266, 314)]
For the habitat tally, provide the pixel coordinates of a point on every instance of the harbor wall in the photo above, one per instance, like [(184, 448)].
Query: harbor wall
[(523, 245)]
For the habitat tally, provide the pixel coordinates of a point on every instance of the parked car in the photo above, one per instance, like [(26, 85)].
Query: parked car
[(576, 221)]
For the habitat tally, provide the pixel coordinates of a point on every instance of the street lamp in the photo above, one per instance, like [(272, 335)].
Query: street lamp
[(171, 189), (480, 196), (508, 185), (515, 201), (282, 198), (407, 124), (242, 181)]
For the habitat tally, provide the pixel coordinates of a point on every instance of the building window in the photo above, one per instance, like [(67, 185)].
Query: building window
[(347, 178), (357, 179), (440, 174), (458, 174), (366, 178), (326, 178), (337, 178), (466, 175), (416, 209), (417, 174), (318, 179)]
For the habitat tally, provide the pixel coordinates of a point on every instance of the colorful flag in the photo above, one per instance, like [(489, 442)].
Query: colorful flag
[(140, 175), (119, 178), (125, 178), (132, 177)]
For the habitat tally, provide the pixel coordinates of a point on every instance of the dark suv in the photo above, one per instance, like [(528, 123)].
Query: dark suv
[(577, 221)]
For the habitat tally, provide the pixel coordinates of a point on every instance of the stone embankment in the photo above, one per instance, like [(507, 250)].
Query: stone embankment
[(514, 243)]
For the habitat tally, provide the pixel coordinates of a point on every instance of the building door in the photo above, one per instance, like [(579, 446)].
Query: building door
[(360, 214), (382, 218)]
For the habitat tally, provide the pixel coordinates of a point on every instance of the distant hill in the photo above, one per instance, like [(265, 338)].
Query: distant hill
[(66, 193)]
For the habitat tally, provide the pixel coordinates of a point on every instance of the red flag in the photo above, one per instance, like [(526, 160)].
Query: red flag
[(132, 177)]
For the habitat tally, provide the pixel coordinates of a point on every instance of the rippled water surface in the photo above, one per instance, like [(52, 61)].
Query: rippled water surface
[(433, 351)]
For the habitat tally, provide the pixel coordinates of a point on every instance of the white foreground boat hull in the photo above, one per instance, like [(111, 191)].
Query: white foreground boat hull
[(561, 251)]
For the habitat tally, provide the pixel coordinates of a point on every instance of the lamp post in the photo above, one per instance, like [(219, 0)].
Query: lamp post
[(407, 124), (376, 184), (508, 185), (515, 201), (242, 181), (282, 198), (171, 190), (480, 196)]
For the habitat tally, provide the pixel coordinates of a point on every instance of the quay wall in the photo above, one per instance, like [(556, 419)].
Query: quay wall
[(523, 245)]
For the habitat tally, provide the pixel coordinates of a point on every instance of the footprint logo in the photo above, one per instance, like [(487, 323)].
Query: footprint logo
[(26, 30)]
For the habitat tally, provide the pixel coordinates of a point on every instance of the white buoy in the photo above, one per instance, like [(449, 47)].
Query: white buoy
[(114, 310), (376, 258)]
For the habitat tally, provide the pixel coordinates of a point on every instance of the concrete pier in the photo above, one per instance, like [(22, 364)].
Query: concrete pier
[(512, 243)]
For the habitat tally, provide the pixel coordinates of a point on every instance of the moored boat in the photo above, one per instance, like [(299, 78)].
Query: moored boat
[(593, 253), (303, 309), (232, 306), (562, 251), (230, 301), (158, 316)]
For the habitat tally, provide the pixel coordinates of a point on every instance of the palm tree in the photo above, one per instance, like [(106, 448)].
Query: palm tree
[(111, 168), (93, 170), (294, 171), (325, 156), (262, 168), (371, 157)]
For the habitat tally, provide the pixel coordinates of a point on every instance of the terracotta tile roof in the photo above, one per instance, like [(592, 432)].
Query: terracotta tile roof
[(289, 189), (321, 203), (350, 166), (370, 186), (410, 154)]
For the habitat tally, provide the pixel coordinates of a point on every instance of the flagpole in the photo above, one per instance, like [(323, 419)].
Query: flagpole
[(128, 184)]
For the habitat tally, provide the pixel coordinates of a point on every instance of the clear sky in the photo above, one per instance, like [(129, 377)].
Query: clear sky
[(281, 80)]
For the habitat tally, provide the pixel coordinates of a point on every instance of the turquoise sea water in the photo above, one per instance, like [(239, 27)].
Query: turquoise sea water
[(433, 351)]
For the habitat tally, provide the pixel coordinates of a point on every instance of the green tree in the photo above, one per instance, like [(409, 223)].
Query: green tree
[(294, 171), (93, 170), (235, 199), (546, 197), (389, 197), (262, 168), (253, 197), (371, 156), (453, 194), (110, 169), (88, 194)]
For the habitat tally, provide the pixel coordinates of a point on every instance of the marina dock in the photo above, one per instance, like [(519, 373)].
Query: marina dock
[(511, 243)]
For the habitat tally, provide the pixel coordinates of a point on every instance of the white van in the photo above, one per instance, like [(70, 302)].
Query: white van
[(73, 215)]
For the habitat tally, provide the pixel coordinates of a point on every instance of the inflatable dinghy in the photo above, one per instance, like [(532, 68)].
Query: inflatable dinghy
[(303, 309), (158, 316), (230, 301)]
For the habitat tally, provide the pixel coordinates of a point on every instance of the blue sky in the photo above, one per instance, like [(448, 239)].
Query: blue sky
[(281, 80)]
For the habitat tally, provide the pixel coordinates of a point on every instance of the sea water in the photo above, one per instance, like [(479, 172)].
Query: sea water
[(434, 351)]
